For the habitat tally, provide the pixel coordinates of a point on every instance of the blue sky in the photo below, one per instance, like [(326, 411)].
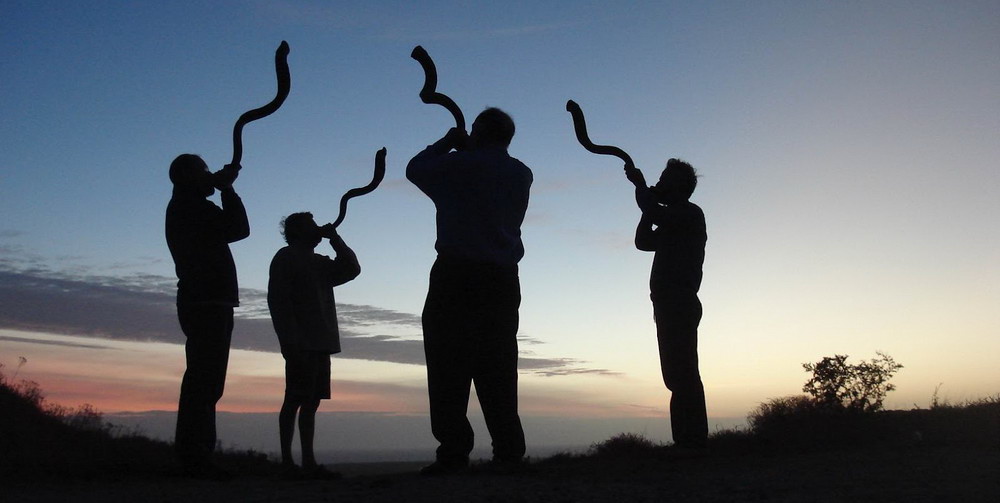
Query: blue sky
[(848, 153)]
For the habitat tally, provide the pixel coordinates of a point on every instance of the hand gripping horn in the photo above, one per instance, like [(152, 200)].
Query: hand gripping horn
[(429, 92), (580, 125), (360, 191), (284, 85)]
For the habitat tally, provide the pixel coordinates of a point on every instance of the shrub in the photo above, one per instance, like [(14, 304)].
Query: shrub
[(624, 445), (838, 385), (84, 417), (41, 440), (837, 409), (776, 412)]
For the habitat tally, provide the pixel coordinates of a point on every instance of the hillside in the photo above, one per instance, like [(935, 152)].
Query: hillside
[(944, 453)]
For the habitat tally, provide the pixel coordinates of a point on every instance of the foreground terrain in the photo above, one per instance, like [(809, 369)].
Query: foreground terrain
[(864, 474), (945, 453)]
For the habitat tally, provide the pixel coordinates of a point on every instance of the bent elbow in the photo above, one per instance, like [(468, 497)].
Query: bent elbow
[(413, 171), (239, 235), (644, 245), (351, 271)]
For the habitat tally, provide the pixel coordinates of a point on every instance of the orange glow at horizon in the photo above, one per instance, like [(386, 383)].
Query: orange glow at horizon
[(128, 376)]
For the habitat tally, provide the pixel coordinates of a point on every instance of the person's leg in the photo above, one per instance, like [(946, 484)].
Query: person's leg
[(208, 331), (677, 322), (307, 432), (495, 371), (298, 392), (448, 377), (448, 387), (318, 372), (219, 367), (496, 386), (286, 427)]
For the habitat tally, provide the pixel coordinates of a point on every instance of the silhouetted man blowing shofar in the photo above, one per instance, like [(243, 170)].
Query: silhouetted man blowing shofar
[(198, 235), (679, 243), (470, 317), (304, 313)]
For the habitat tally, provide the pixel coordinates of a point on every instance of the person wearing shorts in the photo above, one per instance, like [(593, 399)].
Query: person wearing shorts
[(307, 375), (304, 314)]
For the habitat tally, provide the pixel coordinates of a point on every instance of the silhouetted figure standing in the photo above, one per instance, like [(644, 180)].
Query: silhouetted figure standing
[(198, 234), (470, 317), (304, 313), (679, 243)]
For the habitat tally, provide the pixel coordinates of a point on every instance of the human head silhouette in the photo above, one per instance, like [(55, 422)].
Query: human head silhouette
[(301, 229), (492, 128), (677, 182), (190, 174)]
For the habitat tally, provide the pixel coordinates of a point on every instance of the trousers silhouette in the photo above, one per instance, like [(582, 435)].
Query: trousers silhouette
[(208, 329), (470, 322), (677, 317)]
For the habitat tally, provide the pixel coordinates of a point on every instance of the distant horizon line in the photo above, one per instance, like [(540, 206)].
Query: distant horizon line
[(472, 414)]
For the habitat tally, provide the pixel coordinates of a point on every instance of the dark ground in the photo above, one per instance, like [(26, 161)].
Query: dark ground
[(915, 473), (946, 453)]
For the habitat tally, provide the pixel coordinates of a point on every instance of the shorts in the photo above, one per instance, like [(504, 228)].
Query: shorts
[(307, 375)]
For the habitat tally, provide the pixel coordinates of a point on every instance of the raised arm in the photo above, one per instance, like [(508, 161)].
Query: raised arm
[(346, 266), (427, 166), (644, 197), (236, 226)]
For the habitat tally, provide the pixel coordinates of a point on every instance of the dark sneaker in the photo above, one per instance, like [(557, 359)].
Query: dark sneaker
[(439, 468)]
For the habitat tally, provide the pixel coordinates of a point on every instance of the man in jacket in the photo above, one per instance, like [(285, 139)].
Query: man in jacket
[(198, 234), (470, 316)]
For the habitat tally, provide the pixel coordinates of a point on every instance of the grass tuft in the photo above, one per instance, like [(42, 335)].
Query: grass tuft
[(624, 445)]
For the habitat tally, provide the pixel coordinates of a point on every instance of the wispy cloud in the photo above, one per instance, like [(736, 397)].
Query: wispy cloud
[(552, 367), (524, 339), (56, 343), (140, 307), (567, 371)]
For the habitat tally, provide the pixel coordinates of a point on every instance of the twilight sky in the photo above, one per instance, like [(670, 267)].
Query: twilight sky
[(849, 153)]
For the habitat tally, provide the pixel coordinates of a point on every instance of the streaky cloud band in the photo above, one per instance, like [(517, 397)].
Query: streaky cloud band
[(142, 308)]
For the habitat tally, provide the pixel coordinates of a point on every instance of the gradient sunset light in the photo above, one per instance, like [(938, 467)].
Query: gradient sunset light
[(849, 153)]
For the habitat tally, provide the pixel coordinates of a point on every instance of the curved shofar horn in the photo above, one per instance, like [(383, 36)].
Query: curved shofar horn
[(580, 125), (429, 92), (360, 191), (284, 85)]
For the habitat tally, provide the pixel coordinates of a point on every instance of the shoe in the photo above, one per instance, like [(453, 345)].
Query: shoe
[(439, 468)]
